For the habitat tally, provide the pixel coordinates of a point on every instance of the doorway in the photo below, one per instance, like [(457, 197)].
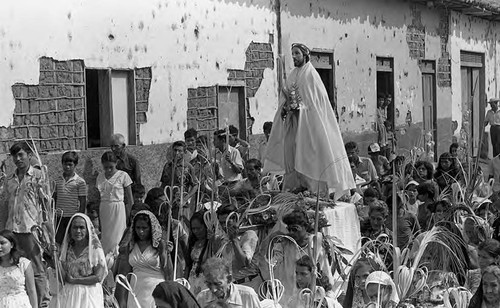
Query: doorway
[(473, 101), (322, 60), (428, 69), (385, 87), (231, 109)]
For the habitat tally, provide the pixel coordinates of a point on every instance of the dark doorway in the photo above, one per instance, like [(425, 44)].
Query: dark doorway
[(324, 65), (385, 86), (429, 101)]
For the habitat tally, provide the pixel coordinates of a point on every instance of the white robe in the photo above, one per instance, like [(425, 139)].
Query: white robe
[(319, 149)]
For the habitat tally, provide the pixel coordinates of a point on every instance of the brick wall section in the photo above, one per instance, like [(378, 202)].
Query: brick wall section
[(53, 112), (259, 56), (143, 77), (202, 101), (444, 62), (202, 109), (415, 35)]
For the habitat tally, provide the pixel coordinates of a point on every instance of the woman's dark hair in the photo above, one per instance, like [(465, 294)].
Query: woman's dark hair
[(360, 263), (449, 157), (15, 253), (198, 216), (108, 157), (427, 189), (371, 192), (427, 165), (454, 146), (297, 217), (141, 217), (152, 195), (491, 247)]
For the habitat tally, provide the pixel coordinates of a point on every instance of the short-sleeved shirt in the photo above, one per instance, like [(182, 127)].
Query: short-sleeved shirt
[(113, 189), (189, 180), (493, 118), (226, 168), (22, 206), (68, 193), (130, 165), (366, 169), (239, 297)]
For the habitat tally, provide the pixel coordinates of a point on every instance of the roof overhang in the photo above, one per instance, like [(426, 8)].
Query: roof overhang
[(487, 9)]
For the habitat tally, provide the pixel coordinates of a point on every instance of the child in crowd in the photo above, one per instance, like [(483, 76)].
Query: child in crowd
[(426, 194), (93, 214), (304, 273), (139, 192), (190, 137), (379, 161), (375, 226), (370, 197), (113, 184), (70, 194), (412, 201)]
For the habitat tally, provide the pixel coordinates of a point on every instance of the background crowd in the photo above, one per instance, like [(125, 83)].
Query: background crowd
[(217, 232)]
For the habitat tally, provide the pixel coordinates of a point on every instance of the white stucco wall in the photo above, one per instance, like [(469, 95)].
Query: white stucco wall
[(474, 35), (358, 32), (138, 33)]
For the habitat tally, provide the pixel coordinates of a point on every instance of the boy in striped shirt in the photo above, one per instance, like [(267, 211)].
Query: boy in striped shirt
[(71, 193)]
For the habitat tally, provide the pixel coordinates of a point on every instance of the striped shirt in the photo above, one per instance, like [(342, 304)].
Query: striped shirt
[(68, 193)]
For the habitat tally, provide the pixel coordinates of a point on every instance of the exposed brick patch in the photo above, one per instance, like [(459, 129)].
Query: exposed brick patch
[(202, 102), (51, 113), (415, 34), (143, 76), (444, 62), (202, 109)]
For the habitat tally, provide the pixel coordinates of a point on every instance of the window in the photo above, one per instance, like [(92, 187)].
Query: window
[(110, 106)]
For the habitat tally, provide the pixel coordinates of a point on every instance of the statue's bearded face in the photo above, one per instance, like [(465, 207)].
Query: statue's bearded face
[(298, 57)]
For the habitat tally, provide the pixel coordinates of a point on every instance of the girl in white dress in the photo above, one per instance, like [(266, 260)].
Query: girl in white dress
[(84, 265), (113, 184), (17, 282)]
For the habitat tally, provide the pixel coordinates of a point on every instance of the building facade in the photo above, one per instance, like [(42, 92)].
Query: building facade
[(74, 72)]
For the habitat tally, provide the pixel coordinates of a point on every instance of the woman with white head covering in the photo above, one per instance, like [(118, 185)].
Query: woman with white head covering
[(84, 265), (381, 290)]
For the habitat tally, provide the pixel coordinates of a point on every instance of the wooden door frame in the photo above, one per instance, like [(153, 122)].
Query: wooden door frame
[(393, 87), (432, 72), (481, 86), (331, 54), (242, 106)]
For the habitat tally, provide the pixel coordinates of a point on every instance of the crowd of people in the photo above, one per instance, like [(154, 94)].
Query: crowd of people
[(224, 229), (175, 232)]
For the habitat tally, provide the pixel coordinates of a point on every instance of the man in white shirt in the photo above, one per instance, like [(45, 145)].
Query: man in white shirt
[(220, 285), (493, 118), (231, 163)]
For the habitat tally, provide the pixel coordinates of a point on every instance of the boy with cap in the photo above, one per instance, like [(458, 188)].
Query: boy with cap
[(379, 161)]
